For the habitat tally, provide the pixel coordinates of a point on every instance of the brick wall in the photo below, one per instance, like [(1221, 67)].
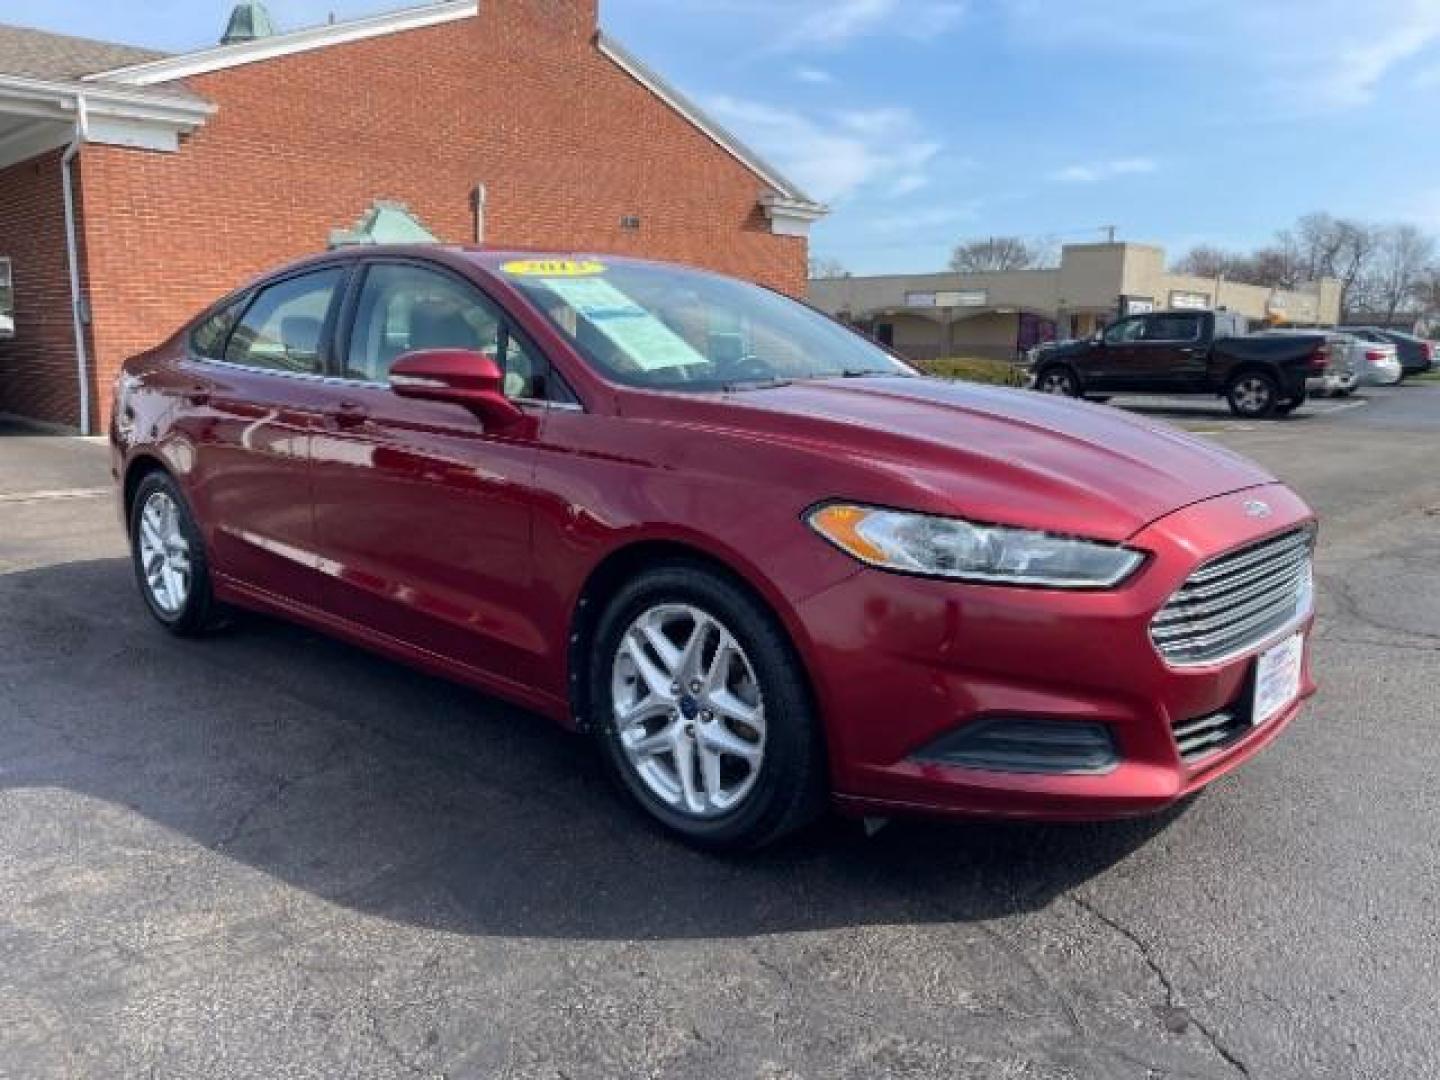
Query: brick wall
[(518, 98), (37, 367)]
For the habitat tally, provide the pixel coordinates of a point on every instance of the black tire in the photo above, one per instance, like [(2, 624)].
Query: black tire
[(791, 786), (1253, 395), (1285, 408), (1058, 380), (199, 612)]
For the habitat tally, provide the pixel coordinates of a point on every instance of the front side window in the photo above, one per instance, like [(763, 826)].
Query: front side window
[(667, 328), (282, 329), (1125, 331), (405, 308)]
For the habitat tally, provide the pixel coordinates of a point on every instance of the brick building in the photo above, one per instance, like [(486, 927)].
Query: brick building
[(135, 187)]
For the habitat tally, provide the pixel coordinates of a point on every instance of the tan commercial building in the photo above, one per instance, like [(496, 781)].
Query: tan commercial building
[(1000, 315)]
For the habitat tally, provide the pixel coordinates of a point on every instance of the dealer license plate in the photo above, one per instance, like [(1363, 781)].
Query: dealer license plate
[(1277, 679)]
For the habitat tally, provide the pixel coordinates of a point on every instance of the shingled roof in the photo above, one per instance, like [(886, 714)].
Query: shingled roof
[(38, 54)]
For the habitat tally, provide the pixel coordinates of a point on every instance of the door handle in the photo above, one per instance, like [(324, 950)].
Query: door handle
[(348, 414), (198, 396)]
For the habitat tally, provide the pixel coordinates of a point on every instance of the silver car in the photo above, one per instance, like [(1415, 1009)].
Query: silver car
[(1353, 363)]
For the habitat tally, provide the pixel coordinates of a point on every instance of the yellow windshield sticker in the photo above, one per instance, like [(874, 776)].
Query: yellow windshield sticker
[(554, 268)]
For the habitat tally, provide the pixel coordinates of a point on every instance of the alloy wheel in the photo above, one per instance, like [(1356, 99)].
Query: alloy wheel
[(1252, 395), (688, 710), (1057, 382), (164, 553)]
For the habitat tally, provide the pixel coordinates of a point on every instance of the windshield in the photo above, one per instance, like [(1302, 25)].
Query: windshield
[(665, 328)]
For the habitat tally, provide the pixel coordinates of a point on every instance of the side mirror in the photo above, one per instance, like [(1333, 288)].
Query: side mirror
[(459, 377)]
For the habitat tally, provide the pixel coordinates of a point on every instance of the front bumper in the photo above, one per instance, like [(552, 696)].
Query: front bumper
[(902, 662)]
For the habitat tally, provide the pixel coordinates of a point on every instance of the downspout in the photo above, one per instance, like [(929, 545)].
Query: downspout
[(72, 245)]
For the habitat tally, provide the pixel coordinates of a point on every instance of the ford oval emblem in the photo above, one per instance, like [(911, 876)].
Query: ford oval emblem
[(1257, 509)]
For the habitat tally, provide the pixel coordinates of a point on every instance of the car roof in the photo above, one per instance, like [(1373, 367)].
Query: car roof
[(491, 260)]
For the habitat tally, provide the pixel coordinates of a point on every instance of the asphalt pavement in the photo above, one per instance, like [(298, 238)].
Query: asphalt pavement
[(270, 855)]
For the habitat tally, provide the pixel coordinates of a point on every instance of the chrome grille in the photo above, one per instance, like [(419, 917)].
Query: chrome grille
[(1236, 601)]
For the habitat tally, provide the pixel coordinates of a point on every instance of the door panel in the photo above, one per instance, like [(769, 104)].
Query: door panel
[(424, 521), (248, 413)]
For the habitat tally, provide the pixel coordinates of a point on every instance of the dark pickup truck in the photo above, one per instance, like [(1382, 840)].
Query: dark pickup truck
[(1187, 352)]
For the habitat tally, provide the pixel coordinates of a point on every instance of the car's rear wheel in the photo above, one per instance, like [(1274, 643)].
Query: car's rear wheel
[(702, 712), (1060, 381), (1253, 395), (169, 557)]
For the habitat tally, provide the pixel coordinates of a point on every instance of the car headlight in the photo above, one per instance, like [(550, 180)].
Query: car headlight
[(965, 551)]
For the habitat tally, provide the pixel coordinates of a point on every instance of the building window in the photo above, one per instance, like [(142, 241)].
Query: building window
[(885, 334), (7, 300)]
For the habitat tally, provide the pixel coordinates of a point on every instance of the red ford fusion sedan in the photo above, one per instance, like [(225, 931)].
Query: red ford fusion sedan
[(763, 562)]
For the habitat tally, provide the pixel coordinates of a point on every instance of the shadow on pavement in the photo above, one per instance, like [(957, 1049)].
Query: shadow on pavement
[(1171, 410), (405, 797)]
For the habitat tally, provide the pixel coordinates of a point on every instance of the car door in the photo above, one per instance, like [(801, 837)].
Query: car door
[(1111, 363), (1171, 357), (423, 515), (253, 398)]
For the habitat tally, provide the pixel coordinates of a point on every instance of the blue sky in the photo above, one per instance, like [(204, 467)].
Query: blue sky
[(923, 122)]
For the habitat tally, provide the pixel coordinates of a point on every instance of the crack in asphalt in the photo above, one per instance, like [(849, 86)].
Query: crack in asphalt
[(277, 792), (1172, 995)]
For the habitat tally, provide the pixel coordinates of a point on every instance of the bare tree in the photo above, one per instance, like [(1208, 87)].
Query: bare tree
[(1207, 262), (1402, 256), (1340, 248), (997, 253), (1427, 293), (822, 268), (1274, 266)]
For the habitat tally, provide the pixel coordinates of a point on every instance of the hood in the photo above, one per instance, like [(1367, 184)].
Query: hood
[(1000, 456), (1071, 347)]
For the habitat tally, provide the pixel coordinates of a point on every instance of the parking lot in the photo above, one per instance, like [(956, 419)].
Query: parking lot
[(268, 854)]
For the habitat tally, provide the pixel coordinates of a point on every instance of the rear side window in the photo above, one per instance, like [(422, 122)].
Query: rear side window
[(1173, 328), (283, 328), (208, 339)]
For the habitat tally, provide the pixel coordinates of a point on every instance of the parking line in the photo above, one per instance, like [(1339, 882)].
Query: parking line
[(56, 496), (1344, 408)]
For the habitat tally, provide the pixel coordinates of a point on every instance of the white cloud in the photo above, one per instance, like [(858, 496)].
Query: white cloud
[(801, 26), (923, 219), (829, 25), (836, 155), (1296, 56), (1094, 172), (813, 76)]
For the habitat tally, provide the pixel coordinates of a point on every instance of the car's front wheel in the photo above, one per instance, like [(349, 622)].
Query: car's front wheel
[(1253, 395), (169, 557), (702, 711)]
